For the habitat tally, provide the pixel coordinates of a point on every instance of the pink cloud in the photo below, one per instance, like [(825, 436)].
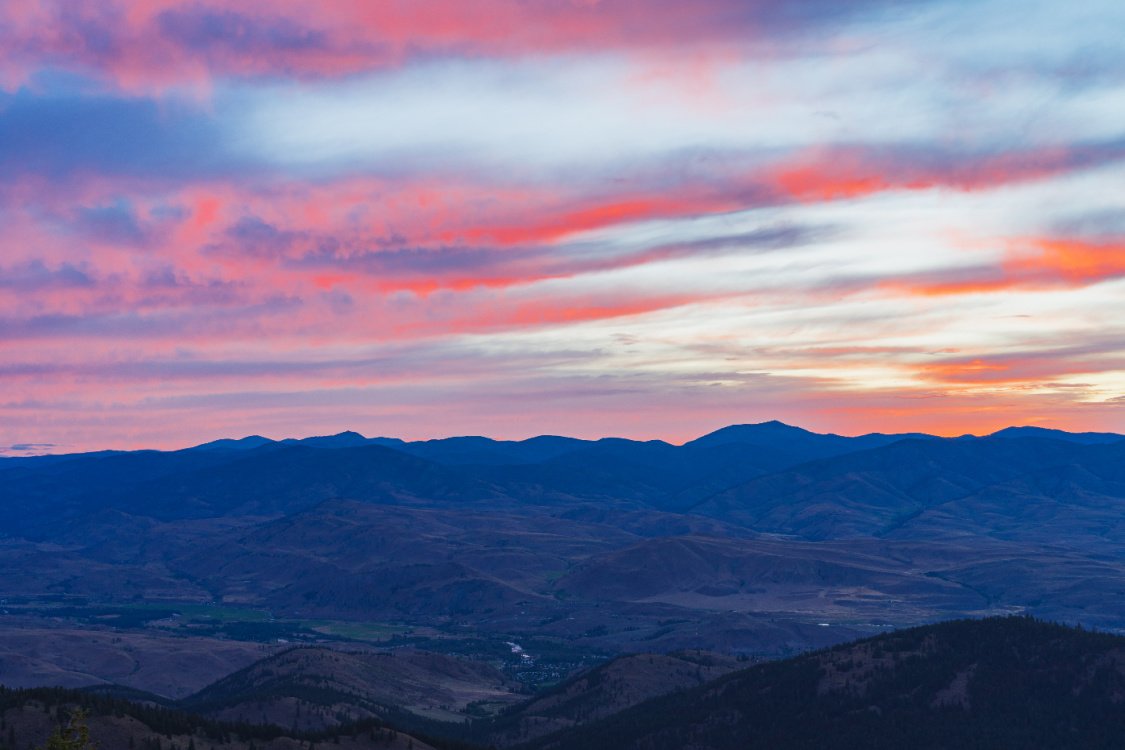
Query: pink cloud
[(142, 44), (835, 173)]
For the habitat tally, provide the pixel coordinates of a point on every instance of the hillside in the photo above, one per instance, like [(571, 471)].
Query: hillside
[(28, 717), (313, 689), (997, 683), (603, 691), (763, 540)]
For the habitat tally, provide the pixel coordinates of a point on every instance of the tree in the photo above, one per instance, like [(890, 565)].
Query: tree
[(75, 735)]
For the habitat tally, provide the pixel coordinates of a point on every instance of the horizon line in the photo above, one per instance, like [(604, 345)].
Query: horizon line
[(6, 452)]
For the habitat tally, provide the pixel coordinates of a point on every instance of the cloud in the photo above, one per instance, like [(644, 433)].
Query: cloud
[(224, 37), (28, 448), (171, 42), (1041, 263), (115, 224), (843, 172), (36, 276), (429, 216)]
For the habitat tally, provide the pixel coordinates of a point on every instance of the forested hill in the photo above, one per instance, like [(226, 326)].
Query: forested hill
[(28, 717), (996, 683)]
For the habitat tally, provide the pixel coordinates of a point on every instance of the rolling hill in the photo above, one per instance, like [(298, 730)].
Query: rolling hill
[(29, 717), (314, 689), (998, 683), (759, 540)]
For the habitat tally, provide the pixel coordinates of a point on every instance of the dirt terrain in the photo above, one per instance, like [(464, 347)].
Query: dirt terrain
[(166, 665)]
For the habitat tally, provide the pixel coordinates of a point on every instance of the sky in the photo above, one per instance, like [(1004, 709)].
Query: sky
[(649, 219)]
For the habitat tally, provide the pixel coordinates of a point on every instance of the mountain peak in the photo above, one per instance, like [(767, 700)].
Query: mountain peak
[(738, 433), (246, 443), (345, 439)]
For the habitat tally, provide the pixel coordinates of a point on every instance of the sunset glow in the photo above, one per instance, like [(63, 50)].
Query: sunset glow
[(425, 218)]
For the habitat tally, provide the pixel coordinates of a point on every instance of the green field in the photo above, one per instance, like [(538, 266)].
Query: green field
[(357, 631)]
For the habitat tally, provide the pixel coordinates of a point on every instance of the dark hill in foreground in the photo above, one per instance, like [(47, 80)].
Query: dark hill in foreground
[(995, 683), (28, 717), (605, 690)]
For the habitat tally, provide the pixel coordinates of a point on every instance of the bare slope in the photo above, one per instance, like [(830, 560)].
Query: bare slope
[(315, 688)]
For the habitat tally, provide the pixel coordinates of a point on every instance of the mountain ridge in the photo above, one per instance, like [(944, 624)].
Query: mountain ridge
[(744, 432), (742, 544)]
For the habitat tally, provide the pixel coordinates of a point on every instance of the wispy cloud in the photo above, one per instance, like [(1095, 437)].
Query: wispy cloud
[(27, 449), (600, 217)]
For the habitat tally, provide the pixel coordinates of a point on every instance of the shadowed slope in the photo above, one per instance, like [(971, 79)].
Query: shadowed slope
[(997, 683)]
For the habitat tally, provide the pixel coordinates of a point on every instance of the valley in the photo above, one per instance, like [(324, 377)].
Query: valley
[(963, 683), (487, 572)]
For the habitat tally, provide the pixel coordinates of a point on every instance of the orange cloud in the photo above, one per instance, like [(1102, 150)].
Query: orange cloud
[(976, 370), (1037, 263), (1030, 369), (1075, 262)]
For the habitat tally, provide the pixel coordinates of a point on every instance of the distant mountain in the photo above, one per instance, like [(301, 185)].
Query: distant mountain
[(757, 538), (740, 453), (1000, 684), (760, 433), (880, 491), (779, 435), (347, 439), (485, 451), (255, 475), (795, 443), (1085, 438), (272, 478), (229, 444)]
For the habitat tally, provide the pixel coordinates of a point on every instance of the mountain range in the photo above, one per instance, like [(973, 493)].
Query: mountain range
[(166, 571)]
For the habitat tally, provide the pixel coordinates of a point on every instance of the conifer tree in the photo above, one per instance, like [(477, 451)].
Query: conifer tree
[(74, 735)]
